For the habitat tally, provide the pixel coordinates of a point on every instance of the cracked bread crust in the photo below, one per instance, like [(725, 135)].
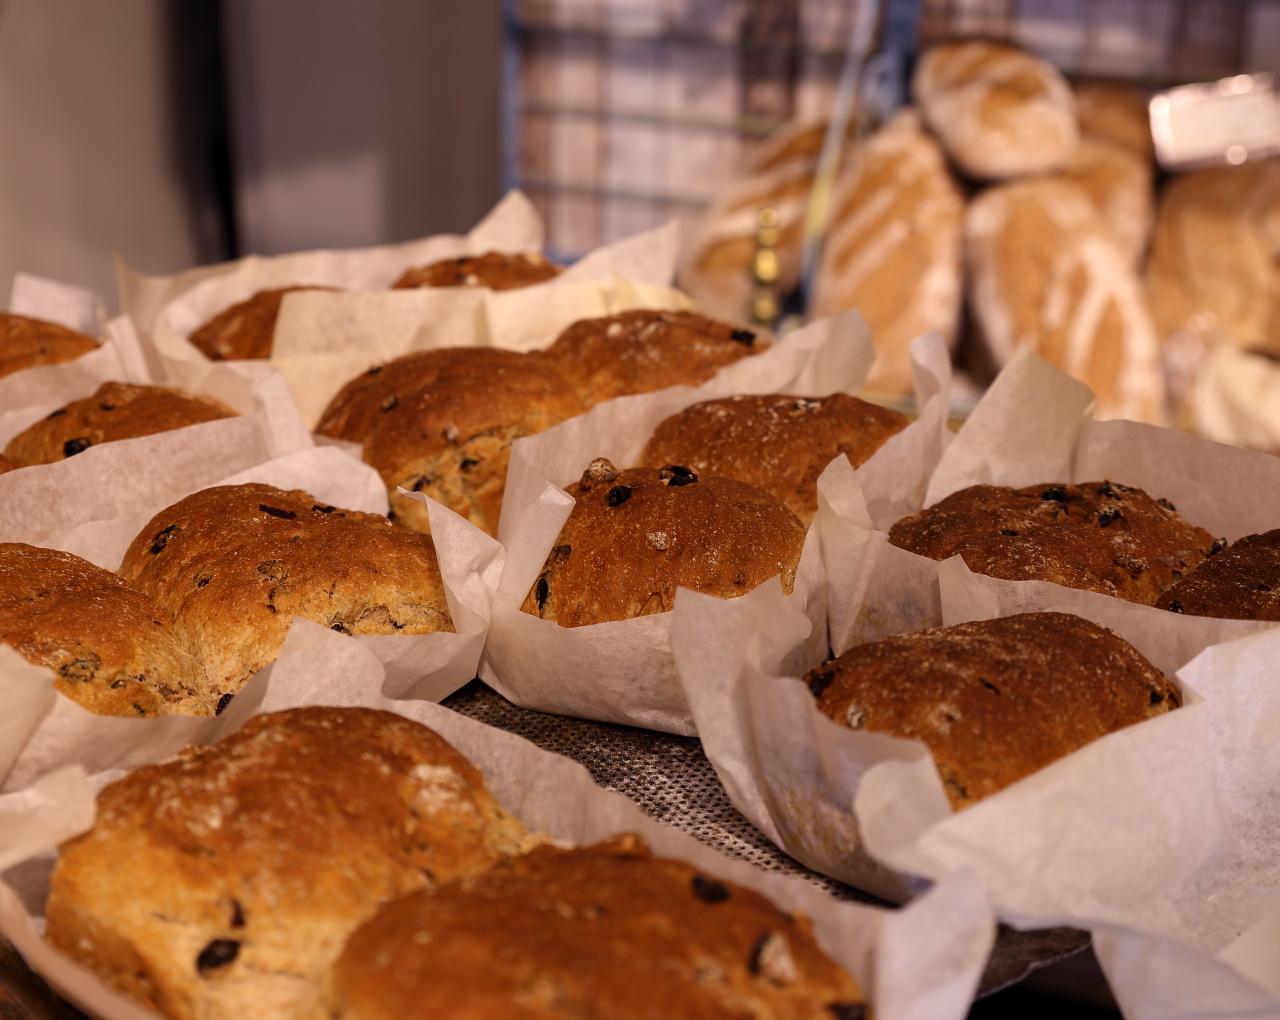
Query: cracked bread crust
[(234, 564), (777, 443), (994, 700), (645, 350), (635, 536), (602, 931), (109, 646), (494, 269), (1241, 582), (115, 411), (1098, 536), (225, 882), (27, 342), (247, 329)]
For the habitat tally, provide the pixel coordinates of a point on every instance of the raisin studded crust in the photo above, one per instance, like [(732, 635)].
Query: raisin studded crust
[(110, 647), (602, 931), (233, 565), (115, 411), (494, 270), (1241, 582), (635, 536), (1099, 536), (247, 329), (777, 443), (641, 351), (225, 882), (26, 342), (994, 700)]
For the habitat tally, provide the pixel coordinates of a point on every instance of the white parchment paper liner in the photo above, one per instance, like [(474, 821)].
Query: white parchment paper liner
[(44, 732), (922, 963)]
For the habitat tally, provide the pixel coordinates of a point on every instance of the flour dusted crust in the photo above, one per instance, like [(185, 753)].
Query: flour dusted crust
[(233, 565), (602, 931), (635, 536), (1241, 582), (777, 443), (1045, 275), (1099, 536), (26, 342), (115, 411), (247, 329), (1119, 186), (494, 270), (646, 350), (999, 112), (110, 647), (994, 700), (224, 883), (1115, 113), (894, 246)]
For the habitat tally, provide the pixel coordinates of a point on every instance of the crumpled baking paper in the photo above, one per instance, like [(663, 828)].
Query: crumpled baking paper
[(621, 671), (921, 963)]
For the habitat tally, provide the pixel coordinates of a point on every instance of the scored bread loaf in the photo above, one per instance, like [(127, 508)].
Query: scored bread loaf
[(1118, 184), (1045, 275), (494, 270), (602, 931), (225, 882), (1241, 582), (27, 342), (1099, 536), (1000, 112), (894, 245), (247, 329), (635, 536), (994, 700), (115, 411), (1115, 113)]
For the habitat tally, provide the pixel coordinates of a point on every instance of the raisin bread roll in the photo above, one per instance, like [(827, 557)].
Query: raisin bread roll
[(1116, 113), (1098, 536), (1241, 582), (994, 700), (893, 250), (115, 411), (110, 647), (225, 882), (247, 329), (998, 111), (494, 270), (1118, 184), (777, 443), (1044, 274), (602, 931), (233, 565), (26, 342), (635, 536), (645, 350)]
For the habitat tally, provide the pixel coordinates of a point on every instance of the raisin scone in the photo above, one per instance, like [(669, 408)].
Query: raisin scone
[(494, 270), (247, 329), (27, 342), (1239, 582)]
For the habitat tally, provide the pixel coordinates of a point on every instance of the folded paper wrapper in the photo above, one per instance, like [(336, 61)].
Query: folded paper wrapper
[(922, 963)]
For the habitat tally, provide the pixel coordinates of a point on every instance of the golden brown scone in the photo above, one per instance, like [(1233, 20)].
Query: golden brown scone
[(233, 565), (494, 270), (26, 342), (225, 882), (646, 350), (247, 329), (602, 931), (115, 411), (442, 423), (109, 645), (1115, 113), (777, 443), (994, 700), (1119, 186), (999, 112), (635, 536), (1240, 582), (1099, 536), (8, 464)]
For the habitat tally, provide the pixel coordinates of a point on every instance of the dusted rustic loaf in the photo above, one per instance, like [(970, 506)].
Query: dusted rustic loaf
[(602, 931), (224, 883), (1241, 582), (1117, 114), (777, 443), (635, 536), (994, 700), (116, 411), (233, 565), (109, 646), (25, 343), (1098, 536), (247, 329), (1119, 186), (494, 270)]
